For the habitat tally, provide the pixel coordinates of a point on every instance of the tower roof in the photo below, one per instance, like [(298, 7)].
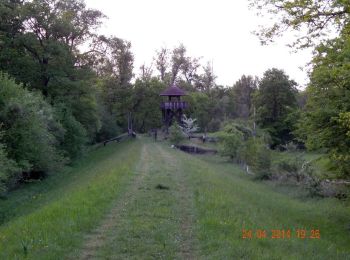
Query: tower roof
[(173, 91)]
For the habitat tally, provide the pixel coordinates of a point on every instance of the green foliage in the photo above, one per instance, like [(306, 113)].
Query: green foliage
[(312, 20), (28, 128), (146, 100), (109, 127), (74, 137), (256, 154), (175, 133), (344, 120), (325, 122), (200, 105), (231, 141), (275, 101), (41, 50), (243, 91), (8, 171)]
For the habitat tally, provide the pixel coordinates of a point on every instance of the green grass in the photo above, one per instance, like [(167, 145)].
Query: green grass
[(49, 219), (228, 201), (319, 161), (149, 225), (201, 215)]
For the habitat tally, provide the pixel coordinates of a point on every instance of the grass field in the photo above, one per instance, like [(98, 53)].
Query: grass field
[(144, 200)]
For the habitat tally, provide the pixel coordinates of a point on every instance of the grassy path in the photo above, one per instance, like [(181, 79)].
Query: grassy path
[(153, 218), (97, 238), (144, 200)]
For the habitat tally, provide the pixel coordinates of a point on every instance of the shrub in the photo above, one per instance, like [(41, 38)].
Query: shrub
[(230, 140), (189, 125), (262, 165), (256, 154), (28, 128), (175, 133)]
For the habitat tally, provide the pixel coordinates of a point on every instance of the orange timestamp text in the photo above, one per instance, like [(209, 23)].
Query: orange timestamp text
[(281, 234)]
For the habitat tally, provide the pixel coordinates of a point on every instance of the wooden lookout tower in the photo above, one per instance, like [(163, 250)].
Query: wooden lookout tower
[(173, 107)]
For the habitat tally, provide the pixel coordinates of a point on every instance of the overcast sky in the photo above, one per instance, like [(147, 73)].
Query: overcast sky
[(220, 31)]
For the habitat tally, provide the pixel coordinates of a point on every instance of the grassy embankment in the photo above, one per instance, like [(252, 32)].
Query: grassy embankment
[(47, 220), (175, 206)]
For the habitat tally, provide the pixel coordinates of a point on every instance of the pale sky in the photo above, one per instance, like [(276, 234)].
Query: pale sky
[(220, 31)]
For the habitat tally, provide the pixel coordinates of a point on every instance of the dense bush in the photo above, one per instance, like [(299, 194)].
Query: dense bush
[(231, 141), (240, 143), (28, 128), (175, 133), (257, 155)]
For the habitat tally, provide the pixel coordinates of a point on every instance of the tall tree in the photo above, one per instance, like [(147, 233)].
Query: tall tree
[(51, 32), (175, 66), (114, 64), (274, 101), (162, 62), (242, 94), (178, 59), (42, 51), (146, 100), (325, 121)]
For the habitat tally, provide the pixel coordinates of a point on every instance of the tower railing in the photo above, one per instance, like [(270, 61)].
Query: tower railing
[(174, 105)]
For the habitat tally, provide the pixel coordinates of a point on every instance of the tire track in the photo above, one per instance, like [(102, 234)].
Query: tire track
[(185, 210), (98, 237)]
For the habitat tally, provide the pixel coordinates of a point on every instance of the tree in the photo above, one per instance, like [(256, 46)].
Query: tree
[(312, 20), (201, 109), (190, 69), (114, 59), (324, 120), (41, 50), (256, 154), (29, 132), (231, 141), (162, 62), (50, 33), (176, 134), (274, 101), (175, 66), (178, 59), (146, 100), (324, 123), (114, 65), (242, 94), (188, 125), (205, 81)]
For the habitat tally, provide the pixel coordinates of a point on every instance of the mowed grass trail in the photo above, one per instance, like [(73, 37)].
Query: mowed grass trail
[(144, 200), (154, 218)]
